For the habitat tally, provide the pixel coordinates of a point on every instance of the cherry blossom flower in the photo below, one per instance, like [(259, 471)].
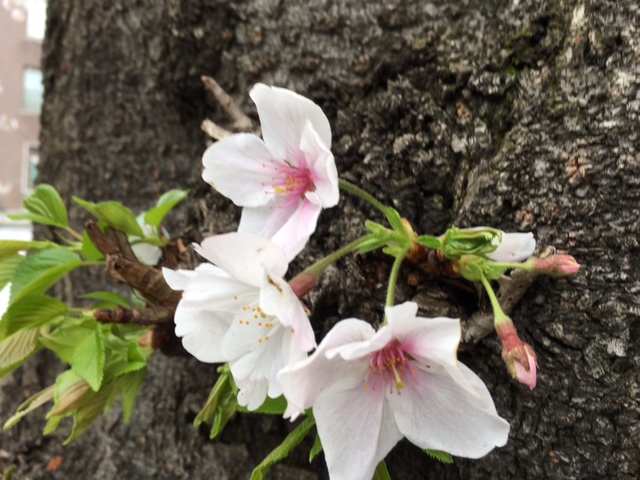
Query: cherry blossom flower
[(241, 311), (284, 181), (370, 389)]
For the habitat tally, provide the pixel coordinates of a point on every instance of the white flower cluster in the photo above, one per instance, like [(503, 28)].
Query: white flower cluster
[(368, 389)]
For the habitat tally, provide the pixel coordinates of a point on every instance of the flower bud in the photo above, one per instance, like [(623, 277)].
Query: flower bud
[(556, 265), (303, 284), (520, 358)]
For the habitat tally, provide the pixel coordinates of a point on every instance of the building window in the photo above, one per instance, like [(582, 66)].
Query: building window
[(30, 160), (33, 89), (36, 18)]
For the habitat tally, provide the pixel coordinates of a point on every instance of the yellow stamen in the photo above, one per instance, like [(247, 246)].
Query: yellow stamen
[(399, 382)]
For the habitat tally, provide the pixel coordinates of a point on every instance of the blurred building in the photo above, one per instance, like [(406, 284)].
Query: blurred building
[(22, 25)]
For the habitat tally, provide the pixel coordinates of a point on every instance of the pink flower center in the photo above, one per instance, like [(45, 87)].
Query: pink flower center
[(289, 183), (390, 367)]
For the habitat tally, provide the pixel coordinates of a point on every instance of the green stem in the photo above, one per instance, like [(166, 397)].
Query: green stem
[(522, 266), (74, 233), (282, 451), (498, 314), (319, 267), (355, 190), (393, 278)]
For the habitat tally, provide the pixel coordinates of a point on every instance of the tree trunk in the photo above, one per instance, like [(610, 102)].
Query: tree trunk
[(521, 115)]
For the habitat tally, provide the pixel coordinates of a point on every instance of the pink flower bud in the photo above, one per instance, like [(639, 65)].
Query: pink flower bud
[(303, 284), (556, 265), (520, 358), (522, 364)]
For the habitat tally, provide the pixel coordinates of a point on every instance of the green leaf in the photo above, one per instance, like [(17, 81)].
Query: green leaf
[(110, 298), (381, 472), (18, 348), (468, 241), (30, 311), (443, 457), (92, 406), (395, 220), (130, 368), (89, 250), (52, 425), (166, 202), (44, 206), (63, 341), (316, 449), (114, 214), (271, 406), (283, 450), (9, 248), (38, 272), (30, 405), (430, 242), (69, 390), (88, 358), (135, 353), (8, 267), (221, 404), (129, 386)]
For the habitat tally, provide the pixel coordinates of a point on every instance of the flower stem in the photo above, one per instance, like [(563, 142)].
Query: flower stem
[(522, 266), (498, 315), (355, 190), (319, 267), (393, 278), (74, 233)]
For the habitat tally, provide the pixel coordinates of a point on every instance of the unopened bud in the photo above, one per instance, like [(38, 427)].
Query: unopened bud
[(520, 358), (303, 284), (522, 364), (556, 265)]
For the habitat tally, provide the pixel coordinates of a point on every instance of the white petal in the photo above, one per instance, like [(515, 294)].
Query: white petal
[(236, 166), (204, 345), (303, 382), (349, 419), (192, 319), (364, 347), (267, 220), (294, 234), (178, 279), (289, 227), (283, 116), (252, 394), (399, 313), (147, 254), (515, 247), (211, 292), (277, 299), (435, 413), (260, 360), (322, 166), (243, 256)]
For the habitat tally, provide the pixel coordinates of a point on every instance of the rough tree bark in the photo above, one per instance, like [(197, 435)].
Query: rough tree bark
[(519, 114)]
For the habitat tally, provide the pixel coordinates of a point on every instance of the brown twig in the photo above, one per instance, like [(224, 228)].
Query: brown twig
[(137, 316), (124, 267), (241, 123)]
